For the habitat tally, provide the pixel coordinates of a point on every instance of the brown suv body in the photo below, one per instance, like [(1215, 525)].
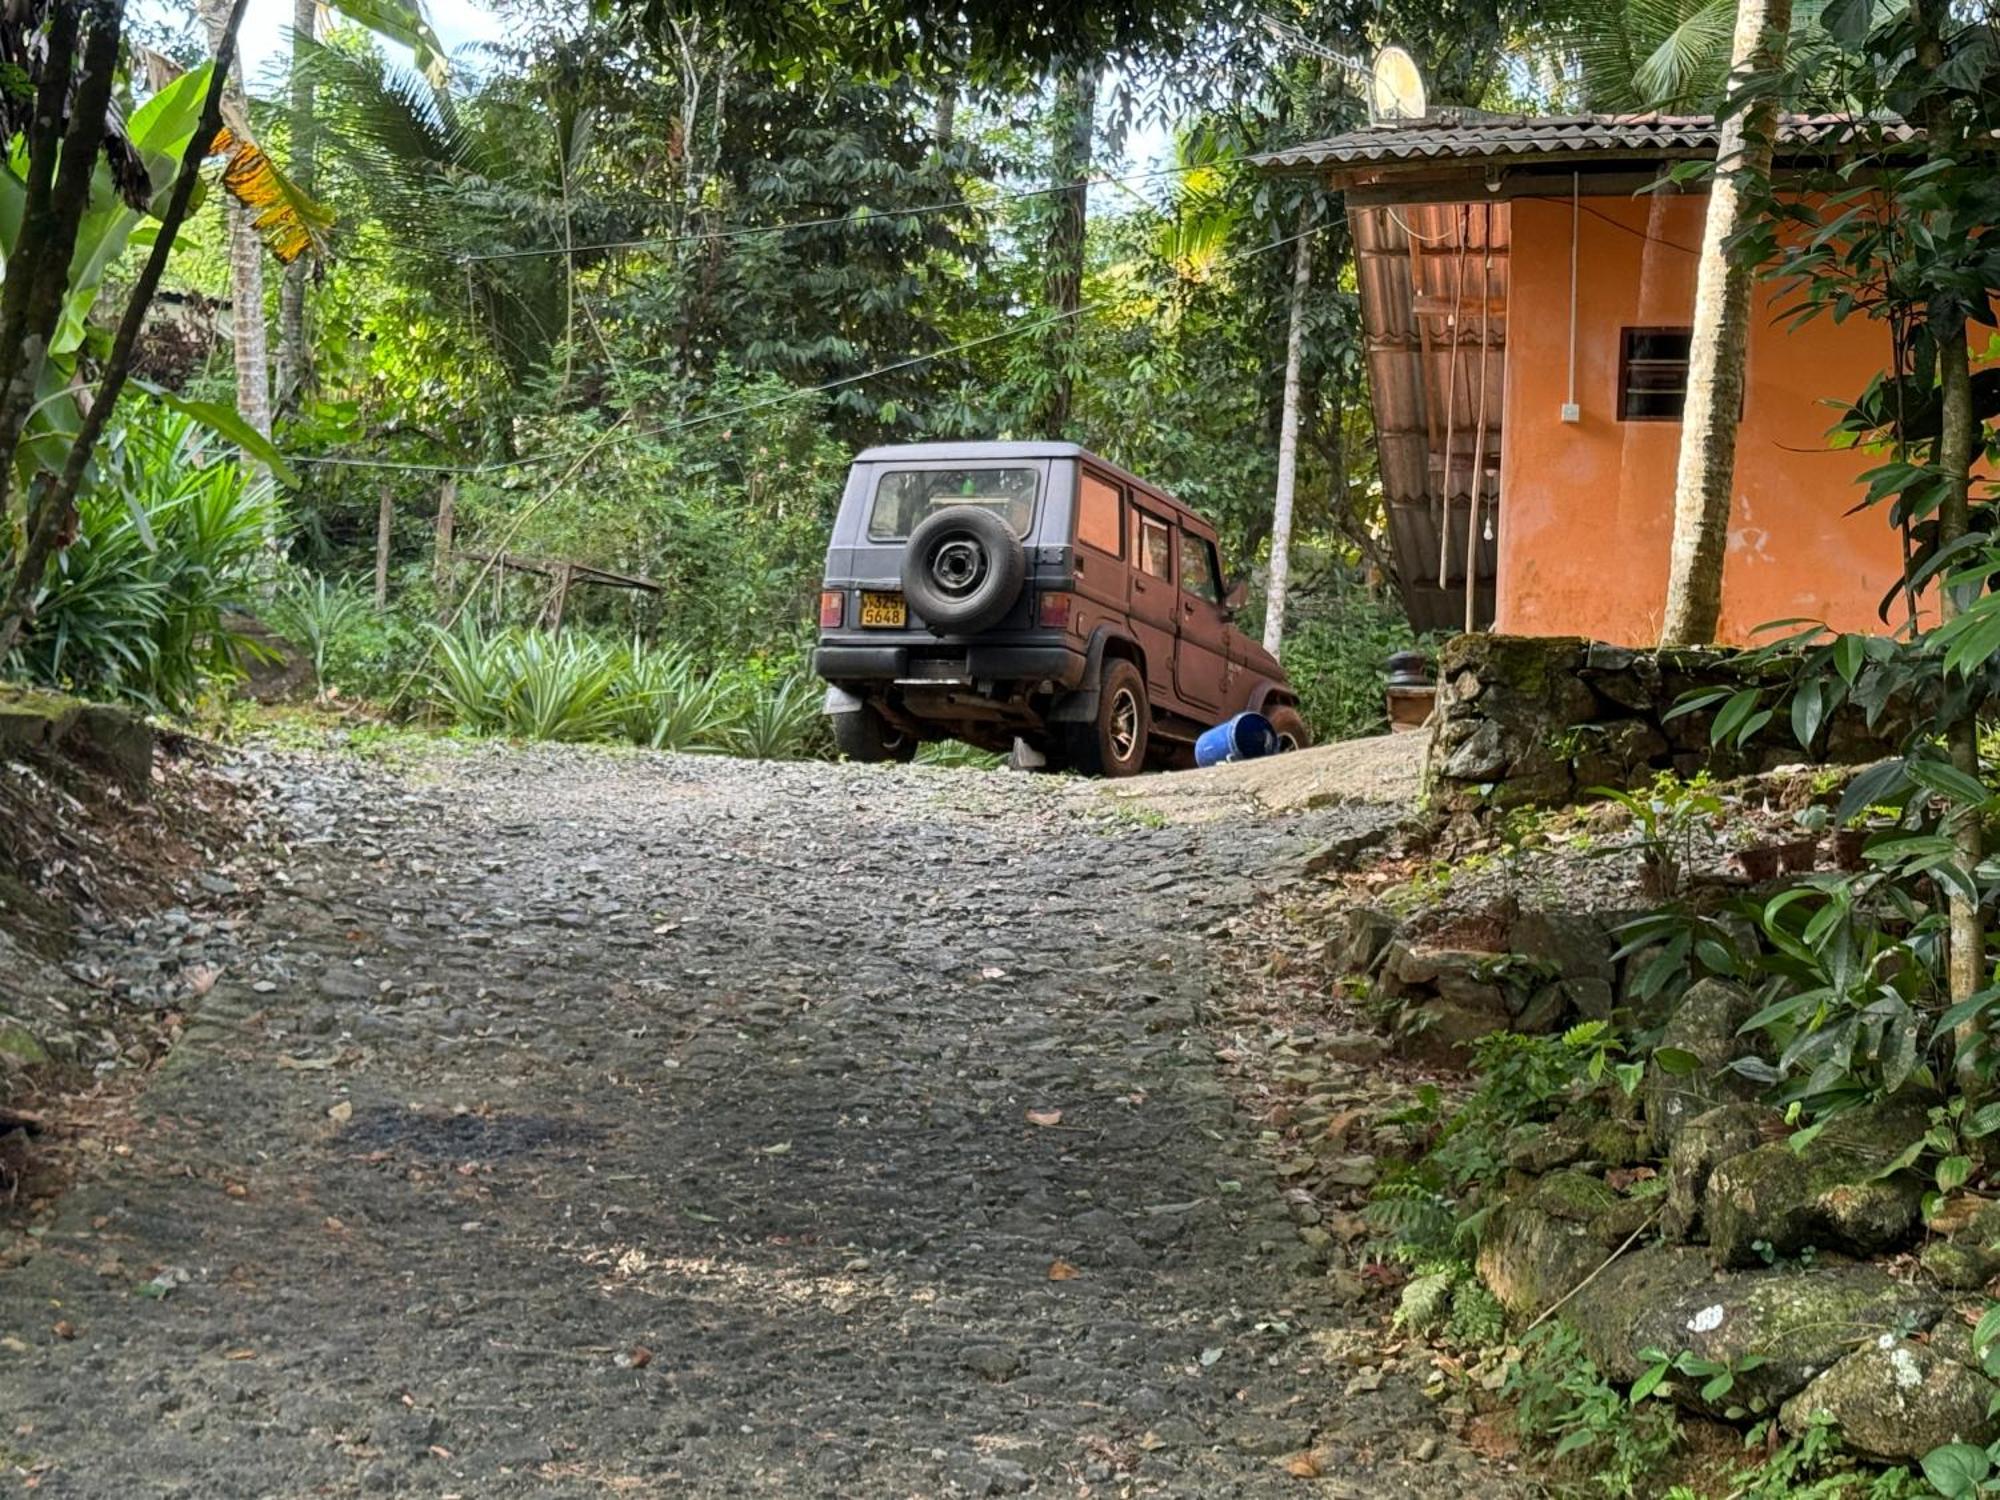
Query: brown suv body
[(1031, 591)]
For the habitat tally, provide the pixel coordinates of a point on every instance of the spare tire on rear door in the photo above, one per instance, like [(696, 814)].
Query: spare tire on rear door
[(963, 569)]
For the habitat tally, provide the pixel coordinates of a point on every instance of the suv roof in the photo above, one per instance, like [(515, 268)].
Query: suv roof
[(1027, 448)]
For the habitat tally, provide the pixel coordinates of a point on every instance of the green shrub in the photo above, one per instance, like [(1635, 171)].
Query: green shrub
[(729, 518), (169, 540), (1336, 653)]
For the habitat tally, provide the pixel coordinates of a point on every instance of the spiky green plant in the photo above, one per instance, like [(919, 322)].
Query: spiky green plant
[(563, 687), (782, 722), (696, 717), (315, 613), (472, 673), (169, 541)]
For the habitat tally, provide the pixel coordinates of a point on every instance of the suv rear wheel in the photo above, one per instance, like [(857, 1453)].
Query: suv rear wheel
[(864, 735), (1114, 744), (1291, 728)]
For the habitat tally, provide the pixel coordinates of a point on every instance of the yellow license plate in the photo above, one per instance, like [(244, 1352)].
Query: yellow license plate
[(884, 610)]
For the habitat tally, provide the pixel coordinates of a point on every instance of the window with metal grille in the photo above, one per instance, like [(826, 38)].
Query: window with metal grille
[(1653, 374)]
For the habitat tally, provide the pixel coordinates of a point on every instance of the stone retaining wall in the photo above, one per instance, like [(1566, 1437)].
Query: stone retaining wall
[(1543, 719)]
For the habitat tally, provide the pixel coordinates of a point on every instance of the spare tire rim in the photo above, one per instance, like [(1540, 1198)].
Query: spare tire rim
[(1287, 742), (958, 566), (1124, 724)]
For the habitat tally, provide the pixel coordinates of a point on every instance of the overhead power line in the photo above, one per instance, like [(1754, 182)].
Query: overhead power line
[(751, 408)]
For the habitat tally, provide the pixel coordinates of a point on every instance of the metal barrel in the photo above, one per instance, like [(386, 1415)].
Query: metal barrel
[(1244, 737)]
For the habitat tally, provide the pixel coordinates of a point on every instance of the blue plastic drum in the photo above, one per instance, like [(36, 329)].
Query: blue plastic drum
[(1244, 737)]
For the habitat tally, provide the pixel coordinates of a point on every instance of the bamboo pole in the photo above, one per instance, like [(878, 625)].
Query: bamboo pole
[(1479, 430)]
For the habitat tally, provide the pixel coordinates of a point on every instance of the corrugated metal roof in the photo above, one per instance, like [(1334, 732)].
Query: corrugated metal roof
[(1434, 364), (1448, 136)]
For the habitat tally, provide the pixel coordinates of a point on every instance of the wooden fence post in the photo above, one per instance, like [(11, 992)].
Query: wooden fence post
[(385, 517), (441, 559)]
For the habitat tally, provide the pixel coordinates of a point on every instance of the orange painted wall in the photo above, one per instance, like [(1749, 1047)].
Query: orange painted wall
[(1587, 508)]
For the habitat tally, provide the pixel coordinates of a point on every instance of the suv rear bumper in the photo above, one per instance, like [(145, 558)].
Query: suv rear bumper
[(1057, 664)]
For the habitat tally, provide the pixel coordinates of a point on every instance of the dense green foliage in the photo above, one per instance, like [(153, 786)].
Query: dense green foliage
[(170, 539)]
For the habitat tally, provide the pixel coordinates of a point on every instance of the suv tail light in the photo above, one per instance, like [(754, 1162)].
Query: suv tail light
[(1053, 611), (832, 608)]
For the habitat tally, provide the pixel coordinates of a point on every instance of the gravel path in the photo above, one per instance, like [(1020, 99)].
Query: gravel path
[(576, 1123)]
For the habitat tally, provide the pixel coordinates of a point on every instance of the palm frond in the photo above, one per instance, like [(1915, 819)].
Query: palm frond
[(1688, 63), (287, 218)]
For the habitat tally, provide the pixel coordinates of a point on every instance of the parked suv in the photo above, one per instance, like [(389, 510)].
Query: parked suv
[(990, 592)]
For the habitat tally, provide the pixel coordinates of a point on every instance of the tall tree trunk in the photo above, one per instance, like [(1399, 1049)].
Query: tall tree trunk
[(294, 354), (1288, 443), (1965, 964), (1073, 123), (246, 266), (1705, 479), (1966, 971)]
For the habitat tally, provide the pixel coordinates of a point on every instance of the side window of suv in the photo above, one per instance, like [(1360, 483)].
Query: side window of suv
[(1155, 545), (1199, 574), (1100, 515)]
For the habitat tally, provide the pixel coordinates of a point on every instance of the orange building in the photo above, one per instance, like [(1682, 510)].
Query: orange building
[(1527, 303)]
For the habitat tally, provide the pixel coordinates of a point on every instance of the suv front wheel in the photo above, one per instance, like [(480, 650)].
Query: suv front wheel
[(864, 735), (1114, 744)]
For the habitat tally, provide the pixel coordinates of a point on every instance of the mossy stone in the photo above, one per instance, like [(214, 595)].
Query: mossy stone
[(1799, 1322), (1575, 1197), (1704, 1022), (1830, 1196), (20, 1045), (1959, 1264), (1529, 1257), (1625, 1218), (1617, 1144), (1894, 1398), (1704, 1142)]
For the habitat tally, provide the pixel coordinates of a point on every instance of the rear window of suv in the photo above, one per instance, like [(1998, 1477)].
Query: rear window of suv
[(903, 497)]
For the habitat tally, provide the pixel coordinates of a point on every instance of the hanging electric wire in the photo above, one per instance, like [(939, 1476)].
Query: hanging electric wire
[(837, 383)]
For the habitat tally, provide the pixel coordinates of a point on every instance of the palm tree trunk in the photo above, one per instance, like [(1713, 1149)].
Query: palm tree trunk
[(1288, 444), (294, 354), (1705, 479), (1074, 119), (246, 266), (1966, 965)]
